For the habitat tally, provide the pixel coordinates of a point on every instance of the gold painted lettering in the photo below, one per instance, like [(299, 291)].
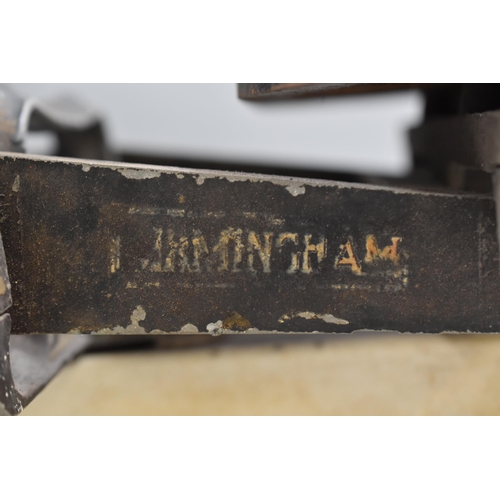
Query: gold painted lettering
[(156, 266), (264, 250), (373, 253), (294, 237), (347, 257), (200, 249), (222, 247), (177, 247), (319, 250), (114, 253)]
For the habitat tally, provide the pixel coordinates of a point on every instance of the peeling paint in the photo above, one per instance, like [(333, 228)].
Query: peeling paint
[(189, 328), (327, 318), (132, 173), (296, 190), (139, 314), (200, 175), (215, 329)]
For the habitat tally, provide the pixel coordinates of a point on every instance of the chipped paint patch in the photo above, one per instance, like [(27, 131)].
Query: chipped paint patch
[(86, 165), (189, 328), (296, 190), (327, 318), (134, 173), (215, 329), (139, 314), (201, 177)]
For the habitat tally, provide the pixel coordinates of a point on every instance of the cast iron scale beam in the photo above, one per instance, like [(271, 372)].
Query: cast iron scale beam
[(109, 248)]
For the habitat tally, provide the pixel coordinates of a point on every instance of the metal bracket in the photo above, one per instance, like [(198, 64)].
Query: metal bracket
[(27, 363)]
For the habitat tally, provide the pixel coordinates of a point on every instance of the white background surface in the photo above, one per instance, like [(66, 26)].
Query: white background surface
[(208, 122)]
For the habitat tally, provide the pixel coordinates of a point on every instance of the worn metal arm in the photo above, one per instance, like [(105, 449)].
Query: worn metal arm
[(110, 248)]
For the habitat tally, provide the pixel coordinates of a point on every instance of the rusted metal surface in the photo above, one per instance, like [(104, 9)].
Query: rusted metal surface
[(113, 248), (261, 91)]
